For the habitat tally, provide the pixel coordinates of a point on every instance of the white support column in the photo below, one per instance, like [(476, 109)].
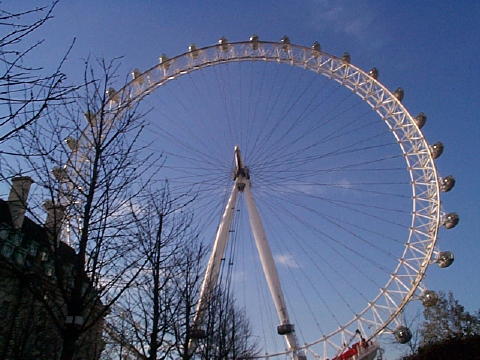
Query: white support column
[(270, 270), (218, 252), (242, 184)]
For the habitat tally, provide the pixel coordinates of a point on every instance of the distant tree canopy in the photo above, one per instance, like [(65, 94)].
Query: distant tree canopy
[(448, 332), (466, 348), (447, 319)]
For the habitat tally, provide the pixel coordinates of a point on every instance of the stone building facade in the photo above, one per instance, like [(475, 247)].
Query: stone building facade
[(32, 313)]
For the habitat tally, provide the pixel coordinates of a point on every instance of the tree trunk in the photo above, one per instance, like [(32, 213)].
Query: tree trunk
[(70, 338)]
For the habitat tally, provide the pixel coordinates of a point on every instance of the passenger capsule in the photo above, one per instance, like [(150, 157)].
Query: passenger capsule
[(346, 57), (72, 143), (420, 120), (373, 73), (316, 46), (223, 42), (91, 118), (447, 183), (60, 174), (285, 41), (429, 298), (112, 94), (192, 49), (451, 220), (402, 334), (445, 259), (399, 93), (436, 150), (136, 74), (254, 40), (163, 61)]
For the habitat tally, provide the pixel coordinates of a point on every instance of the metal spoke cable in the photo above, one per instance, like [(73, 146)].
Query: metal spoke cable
[(295, 281), (268, 323), (191, 112), (308, 160), (205, 156), (168, 112), (280, 189), (311, 252), (207, 103), (301, 156), (347, 167), (223, 95), (379, 266), (275, 208), (341, 254), (325, 139), (279, 204), (308, 130), (252, 118), (258, 145), (280, 118), (284, 116)]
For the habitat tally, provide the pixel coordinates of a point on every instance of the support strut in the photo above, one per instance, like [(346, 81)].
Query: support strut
[(241, 177), (213, 267)]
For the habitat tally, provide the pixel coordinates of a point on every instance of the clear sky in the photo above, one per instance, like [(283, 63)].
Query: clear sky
[(429, 48)]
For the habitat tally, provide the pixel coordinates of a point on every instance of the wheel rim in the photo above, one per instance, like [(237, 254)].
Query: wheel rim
[(405, 279)]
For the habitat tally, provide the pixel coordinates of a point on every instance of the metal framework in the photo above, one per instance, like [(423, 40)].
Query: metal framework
[(404, 283), (242, 184)]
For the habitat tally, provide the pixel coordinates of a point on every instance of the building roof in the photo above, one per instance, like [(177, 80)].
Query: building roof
[(35, 232)]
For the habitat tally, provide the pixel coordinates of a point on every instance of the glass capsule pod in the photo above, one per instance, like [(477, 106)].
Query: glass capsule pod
[(223, 43), (316, 46), (451, 220), (445, 259), (436, 150), (285, 41), (402, 334), (399, 94), (429, 298), (373, 73), (447, 183), (420, 120), (254, 40), (346, 57)]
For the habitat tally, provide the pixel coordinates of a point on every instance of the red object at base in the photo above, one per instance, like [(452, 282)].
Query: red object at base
[(349, 353)]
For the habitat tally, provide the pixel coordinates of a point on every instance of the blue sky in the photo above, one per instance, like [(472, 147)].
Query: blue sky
[(429, 48)]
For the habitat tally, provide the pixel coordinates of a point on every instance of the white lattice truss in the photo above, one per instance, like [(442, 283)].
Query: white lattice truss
[(404, 283)]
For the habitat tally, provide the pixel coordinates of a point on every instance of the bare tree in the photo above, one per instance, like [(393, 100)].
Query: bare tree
[(186, 284), (227, 330), (143, 316), (155, 318), (25, 90), (94, 173), (224, 332)]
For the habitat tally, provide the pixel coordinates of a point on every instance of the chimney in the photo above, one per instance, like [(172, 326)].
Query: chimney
[(55, 214), (17, 199)]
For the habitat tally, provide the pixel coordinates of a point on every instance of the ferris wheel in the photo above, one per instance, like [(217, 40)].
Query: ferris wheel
[(310, 162)]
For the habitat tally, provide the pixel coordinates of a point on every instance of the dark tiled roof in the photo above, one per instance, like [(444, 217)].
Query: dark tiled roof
[(5, 213), (30, 229), (33, 231)]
